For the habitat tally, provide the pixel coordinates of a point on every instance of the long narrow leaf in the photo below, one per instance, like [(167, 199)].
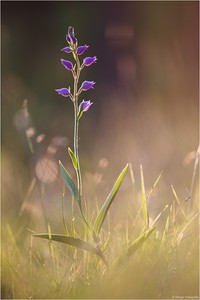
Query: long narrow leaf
[(160, 214), (147, 199), (104, 210), (144, 200), (69, 182), (179, 203), (180, 236), (72, 241), (154, 186), (139, 241), (166, 228), (73, 158)]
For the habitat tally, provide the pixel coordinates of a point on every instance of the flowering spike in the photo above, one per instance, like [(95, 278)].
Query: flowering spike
[(63, 92), (88, 61), (81, 49), (86, 85), (66, 49), (67, 64)]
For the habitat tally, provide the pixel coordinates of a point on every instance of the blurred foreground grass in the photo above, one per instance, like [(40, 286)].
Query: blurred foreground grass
[(162, 264)]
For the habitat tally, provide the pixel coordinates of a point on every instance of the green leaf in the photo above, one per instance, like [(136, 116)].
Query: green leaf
[(80, 113), (104, 210), (72, 241), (73, 158), (69, 182)]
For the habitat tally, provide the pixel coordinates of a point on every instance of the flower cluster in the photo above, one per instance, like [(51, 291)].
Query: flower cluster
[(76, 69)]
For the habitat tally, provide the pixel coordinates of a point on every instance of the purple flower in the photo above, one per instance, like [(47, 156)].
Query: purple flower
[(63, 92), (85, 105), (86, 85), (81, 49), (70, 36), (67, 64), (89, 61), (66, 49)]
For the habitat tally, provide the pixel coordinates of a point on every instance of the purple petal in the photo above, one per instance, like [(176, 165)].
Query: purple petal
[(83, 107), (81, 49), (86, 105), (86, 85), (66, 49), (89, 61), (67, 64), (63, 92), (73, 40), (68, 38)]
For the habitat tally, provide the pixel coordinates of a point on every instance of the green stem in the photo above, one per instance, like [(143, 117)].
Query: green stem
[(76, 138), (78, 172)]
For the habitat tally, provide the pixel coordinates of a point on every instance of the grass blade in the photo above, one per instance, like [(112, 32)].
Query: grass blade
[(165, 230), (180, 236), (73, 158), (147, 198), (135, 245), (144, 200), (154, 185), (69, 182), (104, 210), (160, 214), (139, 241), (179, 203)]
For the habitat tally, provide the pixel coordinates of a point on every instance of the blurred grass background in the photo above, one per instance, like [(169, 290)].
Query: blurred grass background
[(146, 95), (145, 103)]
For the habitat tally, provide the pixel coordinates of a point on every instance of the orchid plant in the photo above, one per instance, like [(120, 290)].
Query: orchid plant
[(80, 107)]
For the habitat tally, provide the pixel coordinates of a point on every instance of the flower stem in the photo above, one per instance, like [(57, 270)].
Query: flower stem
[(78, 172), (76, 137)]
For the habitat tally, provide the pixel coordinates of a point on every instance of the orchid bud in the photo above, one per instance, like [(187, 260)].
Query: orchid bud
[(81, 49), (67, 64), (66, 49), (83, 107), (88, 61), (70, 37), (63, 92), (86, 85)]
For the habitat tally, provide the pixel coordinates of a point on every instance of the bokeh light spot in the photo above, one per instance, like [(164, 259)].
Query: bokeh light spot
[(46, 170)]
